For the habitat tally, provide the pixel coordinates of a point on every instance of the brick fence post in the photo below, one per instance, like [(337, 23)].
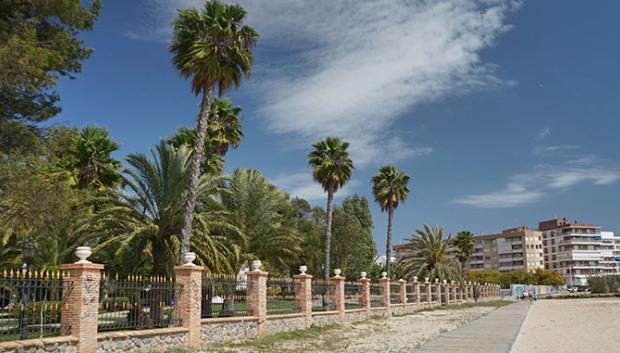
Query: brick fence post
[(257, 296), (403, 291), (438, 290), (471, 291), (188, 278), (416, 290), (385, 290), (80, 316), (461, 292), (365, 295), (303, 295), (338, 298)]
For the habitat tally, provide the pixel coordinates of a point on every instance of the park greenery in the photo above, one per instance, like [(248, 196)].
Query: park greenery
[(505, 279), (604, 284), (63, 186)]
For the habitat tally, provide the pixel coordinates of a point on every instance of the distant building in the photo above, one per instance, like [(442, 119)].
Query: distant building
[(380, 260), (515, 249), (401, 251), (577, 250)]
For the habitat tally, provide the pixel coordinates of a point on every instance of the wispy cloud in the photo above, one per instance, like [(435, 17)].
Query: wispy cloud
[(353, 68), (525, 188), (301, 185), (543, 133)]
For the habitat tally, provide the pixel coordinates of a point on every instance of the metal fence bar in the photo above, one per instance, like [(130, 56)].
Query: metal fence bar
[(281, 296), (322, 294), (376, 299), (136, 303), (30, 304), (395, 293), (352, 295), (224, 296)]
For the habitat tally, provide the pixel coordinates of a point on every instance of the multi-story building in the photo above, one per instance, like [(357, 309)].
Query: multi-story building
[(577, 251), (515, 249)]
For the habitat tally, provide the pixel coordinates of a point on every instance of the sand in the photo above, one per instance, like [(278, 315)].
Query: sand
[(396, 334), (571, 326)]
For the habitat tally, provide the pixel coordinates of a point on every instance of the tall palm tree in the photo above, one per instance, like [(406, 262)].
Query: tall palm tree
[(147, 218), (213, 48), (224, 131), (430, 255), (332, 168), (390, 189), (464, 243)]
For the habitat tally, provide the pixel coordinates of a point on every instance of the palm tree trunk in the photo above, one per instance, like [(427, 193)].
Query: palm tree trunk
[(388, 242), (190, 202), (328, 233)]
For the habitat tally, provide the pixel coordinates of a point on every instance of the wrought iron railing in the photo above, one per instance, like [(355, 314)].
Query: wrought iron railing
[(224, 296), (136, 302), (395, 293), (322, 295), (352, 295), (410, 293), (31, 304), (281, 296), (376, 299), (423, 291)]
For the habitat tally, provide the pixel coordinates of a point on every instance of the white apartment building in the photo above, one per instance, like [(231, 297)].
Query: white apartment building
[(577, 251), (515, 249)]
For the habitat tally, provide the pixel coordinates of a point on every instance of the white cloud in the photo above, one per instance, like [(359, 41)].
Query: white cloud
[(353, 68), (526, 188), (544, 133), (301, 185)]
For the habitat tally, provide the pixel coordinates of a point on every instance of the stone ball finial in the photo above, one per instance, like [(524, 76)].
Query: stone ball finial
[(384, 275), (83, 252), (415, 279), (337, 272)]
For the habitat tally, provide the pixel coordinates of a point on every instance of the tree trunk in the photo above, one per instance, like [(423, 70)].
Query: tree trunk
[(388, 242), (328, 233), (190, 202)]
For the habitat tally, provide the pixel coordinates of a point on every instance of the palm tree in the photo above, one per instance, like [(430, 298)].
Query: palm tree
[(430, 255), (464, 243), (213, 48), (143, 224), (265, 215), (224, 131), (332, 168), (91, 163), (390, 188)]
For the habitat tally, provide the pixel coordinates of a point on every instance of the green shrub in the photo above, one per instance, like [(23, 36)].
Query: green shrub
[(38, 312), (604, 284)]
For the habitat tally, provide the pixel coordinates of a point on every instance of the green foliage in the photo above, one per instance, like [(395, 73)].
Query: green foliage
[(505, 279), (331, 164), (224, 131), (464, 243), (431, 255), (142, 225), (604, 284), (38, 44), (266, 217)]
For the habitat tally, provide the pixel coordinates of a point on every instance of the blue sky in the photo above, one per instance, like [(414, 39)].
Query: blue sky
[(504, 113)]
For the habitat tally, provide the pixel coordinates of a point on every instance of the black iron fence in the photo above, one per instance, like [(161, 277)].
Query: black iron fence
[(352, 295), (31, 303), (423, 291), (376, 299), (395, 293), (410, 293), (322, 295), (223, 296), (136, 302), (281, 296)]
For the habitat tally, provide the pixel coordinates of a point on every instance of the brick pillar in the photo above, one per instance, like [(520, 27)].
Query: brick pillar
[(365, 295), (446, 291), (403, 291), (453, 290), (338, 297), (416, 290), (471, 291), (80, 305), (429, 291), (188, 278), (303, 296), (385, 291), (461, 291), (438, 290), (257, 299)]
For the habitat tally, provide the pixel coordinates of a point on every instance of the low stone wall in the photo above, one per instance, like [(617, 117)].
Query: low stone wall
[(283, 323), (63, 344), (354, 315), (141, 341), (228, 329), (380, 311), (325, 318)]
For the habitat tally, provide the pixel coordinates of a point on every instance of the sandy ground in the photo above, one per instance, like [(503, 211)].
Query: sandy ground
[(571, 325), (397, 334)]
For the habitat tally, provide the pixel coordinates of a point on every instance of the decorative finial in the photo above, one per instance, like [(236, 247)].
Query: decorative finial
[(256, 264), (189, 259), (83, 252), (303, 269), (363, 274)]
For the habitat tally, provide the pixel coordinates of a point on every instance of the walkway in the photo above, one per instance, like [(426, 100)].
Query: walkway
[(493, 333)]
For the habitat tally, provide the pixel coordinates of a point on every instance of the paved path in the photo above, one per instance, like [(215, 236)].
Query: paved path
[(493, 333)]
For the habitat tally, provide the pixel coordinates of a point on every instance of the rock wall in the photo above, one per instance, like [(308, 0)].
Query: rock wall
[(214, 330), (141, 341), (283, 323), (63, 344), (325, 319)]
